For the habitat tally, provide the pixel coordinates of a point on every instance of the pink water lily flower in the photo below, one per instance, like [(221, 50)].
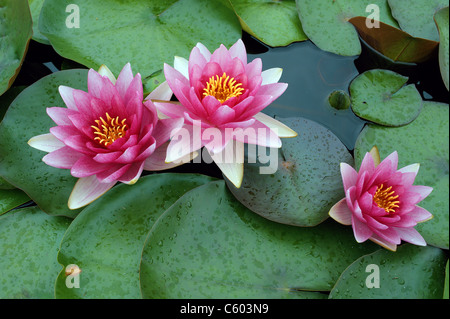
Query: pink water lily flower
[(222, 95), (106, 135), (381, 201)]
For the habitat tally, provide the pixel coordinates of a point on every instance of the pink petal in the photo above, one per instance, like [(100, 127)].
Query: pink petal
[(259, 134), (67, 96), (63, 157), (165, 129), (106, 158), (360, 230), (87, 190), (386, 244), (389, 235), (132, 174), (222, 57), (411, 235), (196, 58), (172, 110), (222, 115), (238, 50), (341, 213), (204, 51), (85, 166), (186, 140), (124, 80), (254, 68), (349, 175), (60, 115), (46, 142), (420, 214), (156, 161), (211, 104), (95, 83), (114, 173), (422, 191)]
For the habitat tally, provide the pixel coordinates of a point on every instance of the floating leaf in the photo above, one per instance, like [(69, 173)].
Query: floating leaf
[(424, 141), (411, 272), (15, 26), (394, 43), (441, 18), (380, 96), (22, 165), (29, 241), (275, 23), (105, 241), (207, 245), (326, 22), (35, 8), (416, 16), (339, 100), (11, 198), (301, 181), (145, 33)]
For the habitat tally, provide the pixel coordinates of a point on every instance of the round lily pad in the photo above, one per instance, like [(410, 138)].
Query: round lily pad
[(299, 183), (105, 241), (145, 33), (208, 245), (29, 242), (20, 164), (381, 96), (15, 34), (326, 22), (424, 141), (441, 18), (416, 16), (409, 273), (275, 23)]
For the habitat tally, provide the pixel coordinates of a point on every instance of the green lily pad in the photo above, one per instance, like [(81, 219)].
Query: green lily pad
[(105, 241), (441, 18), (35, 8), (416, 16), (325, 22), (5, 101), (275, 23), (29, 241), (304, 182), (22, 165), (15, 34), (423, 141), (411, 272), (11, 198), (381, 96), (145, 33), (208, 245)]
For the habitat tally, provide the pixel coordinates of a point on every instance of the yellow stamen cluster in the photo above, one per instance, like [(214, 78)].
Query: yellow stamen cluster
[(110, 130), (386, 199), (222, 88)]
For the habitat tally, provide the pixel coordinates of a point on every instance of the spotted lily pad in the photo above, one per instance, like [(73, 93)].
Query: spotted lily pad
[(325, 22), (424, 141), (22, 165), (15, 34), (301, 181), (381, 96), (441, 18), (208, 245), (105, 241), (11, 198), (275, 23), (145, 33), (416, 16), (409, 273), (29, 242)]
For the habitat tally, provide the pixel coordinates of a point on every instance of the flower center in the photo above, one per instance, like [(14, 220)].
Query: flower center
[(110, 130), (222, 88), (386, 199)]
